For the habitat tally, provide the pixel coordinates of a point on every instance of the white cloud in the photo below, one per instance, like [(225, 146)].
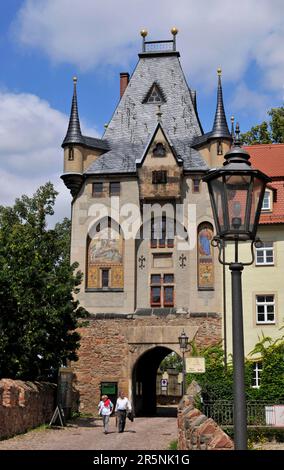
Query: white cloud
[(212, 33), (247, 101), (31, 133)]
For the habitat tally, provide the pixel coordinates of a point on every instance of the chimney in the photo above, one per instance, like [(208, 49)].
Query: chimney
[(124, 79)]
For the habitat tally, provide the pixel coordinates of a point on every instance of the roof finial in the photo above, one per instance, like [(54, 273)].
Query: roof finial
[(220, 126), (159, 114), (174, 32), (74, 134), (232, 126), (143, 33), (237, 140)]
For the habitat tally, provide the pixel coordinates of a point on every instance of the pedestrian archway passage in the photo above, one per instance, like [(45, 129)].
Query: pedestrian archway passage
[(144, 377)]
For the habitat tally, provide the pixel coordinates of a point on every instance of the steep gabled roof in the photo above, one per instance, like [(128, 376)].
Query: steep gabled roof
[(134, 121)]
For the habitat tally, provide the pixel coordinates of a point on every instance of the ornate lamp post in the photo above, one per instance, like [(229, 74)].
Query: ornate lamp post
[(183, 343), (236, 193)]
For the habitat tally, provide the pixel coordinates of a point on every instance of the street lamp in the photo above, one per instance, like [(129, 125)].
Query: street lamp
[(183, 343), (236, 193)]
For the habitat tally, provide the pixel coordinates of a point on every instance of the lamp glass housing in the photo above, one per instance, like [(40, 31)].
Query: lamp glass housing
[(236, 199), (183, 340)]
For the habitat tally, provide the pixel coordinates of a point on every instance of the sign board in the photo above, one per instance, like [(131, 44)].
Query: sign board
[(195, 365), (164, 383)]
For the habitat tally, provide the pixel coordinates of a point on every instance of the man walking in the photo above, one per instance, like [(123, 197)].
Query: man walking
[(122, 406)]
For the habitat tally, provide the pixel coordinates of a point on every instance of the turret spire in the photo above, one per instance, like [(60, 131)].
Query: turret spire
[(74, 135), (220, 126)]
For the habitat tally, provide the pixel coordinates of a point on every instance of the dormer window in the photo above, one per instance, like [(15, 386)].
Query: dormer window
[(266, 204), (159, 150), (154, 95), (70, 153)]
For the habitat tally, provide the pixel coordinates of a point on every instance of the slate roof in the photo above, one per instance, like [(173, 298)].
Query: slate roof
[(133, 121), (74, 134)]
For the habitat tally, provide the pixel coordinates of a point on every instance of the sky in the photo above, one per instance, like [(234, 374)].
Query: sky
[(44, 43)]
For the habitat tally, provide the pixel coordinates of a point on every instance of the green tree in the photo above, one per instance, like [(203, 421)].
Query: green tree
[(38, 314), (171, 361), (267, 132)]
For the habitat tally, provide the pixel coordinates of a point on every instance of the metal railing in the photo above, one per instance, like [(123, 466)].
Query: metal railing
[(155, 46), (258, 413)]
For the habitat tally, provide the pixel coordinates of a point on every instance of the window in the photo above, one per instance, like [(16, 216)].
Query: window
[(168, 278), (162, 233), (265, 254), (70, 153), (195, 185), (266, 204), (162, 294), (105, 277), (219, 148), (155, 278), (154, 95), (168, 296), (114, 188), (265, 309), (155, 296), (159, 150), (97, 189), (159, 177), (256, 372)]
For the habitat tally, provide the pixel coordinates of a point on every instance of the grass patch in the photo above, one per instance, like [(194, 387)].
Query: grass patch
[(173, 445)]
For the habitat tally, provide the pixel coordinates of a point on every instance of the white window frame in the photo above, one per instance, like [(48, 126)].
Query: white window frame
[(265, 313), (265, 248), (268, 206), (257, 369)]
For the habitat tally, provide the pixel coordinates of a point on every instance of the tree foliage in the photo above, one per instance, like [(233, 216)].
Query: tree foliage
[(171, 361), (267, 132), (217, 383), (38, 314)]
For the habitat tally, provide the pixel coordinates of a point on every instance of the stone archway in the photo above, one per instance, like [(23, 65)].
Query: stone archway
[(144, 380)]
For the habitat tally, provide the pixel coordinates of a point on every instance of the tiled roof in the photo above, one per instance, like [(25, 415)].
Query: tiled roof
[(269, 158), (133, 121)]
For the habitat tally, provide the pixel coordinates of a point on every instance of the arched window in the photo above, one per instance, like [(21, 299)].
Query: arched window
[(105, 256), (205, 263)]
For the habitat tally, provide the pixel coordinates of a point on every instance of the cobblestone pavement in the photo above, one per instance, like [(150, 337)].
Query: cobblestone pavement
[(87, 434)]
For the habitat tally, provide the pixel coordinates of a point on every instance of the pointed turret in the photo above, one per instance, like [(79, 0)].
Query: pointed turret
[(74, 135), (220, 126)]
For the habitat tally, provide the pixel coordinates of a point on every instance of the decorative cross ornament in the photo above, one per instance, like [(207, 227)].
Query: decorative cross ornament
[(182, 260), (142, 260)]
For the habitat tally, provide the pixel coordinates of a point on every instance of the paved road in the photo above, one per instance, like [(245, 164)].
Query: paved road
[(87, 434)]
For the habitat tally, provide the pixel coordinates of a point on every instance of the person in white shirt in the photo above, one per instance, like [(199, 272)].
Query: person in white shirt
[(105, 409), (122, 406)]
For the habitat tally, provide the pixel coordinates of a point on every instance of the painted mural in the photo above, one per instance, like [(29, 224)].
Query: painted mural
[(205, 257), (105, 250)]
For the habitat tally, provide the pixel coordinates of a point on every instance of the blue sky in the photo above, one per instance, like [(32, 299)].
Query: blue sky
[(43, 43)]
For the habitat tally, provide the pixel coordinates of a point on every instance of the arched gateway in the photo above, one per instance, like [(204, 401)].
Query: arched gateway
[(141, 293)]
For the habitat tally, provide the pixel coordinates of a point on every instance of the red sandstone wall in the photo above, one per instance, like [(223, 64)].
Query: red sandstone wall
[(197, 432), (24, 405)]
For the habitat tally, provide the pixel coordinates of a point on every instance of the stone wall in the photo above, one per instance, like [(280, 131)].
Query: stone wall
[(24, 405), (196, 431), (111, 347)]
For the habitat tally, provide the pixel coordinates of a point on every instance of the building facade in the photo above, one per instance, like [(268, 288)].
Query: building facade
[(263, 294), (142, 227)]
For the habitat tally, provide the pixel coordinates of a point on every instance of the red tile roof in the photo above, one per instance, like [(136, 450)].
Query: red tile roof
[(269, 158)]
